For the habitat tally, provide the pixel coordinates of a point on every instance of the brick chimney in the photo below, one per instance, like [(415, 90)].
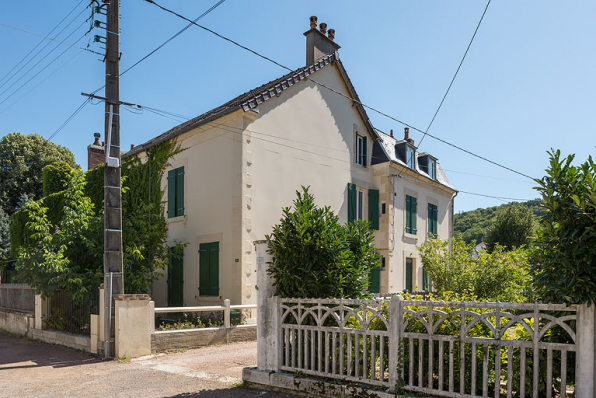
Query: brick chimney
[(319, 42), (95, 153), (407, 135)]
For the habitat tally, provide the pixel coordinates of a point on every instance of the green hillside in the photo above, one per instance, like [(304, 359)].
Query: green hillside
[(472, 224)]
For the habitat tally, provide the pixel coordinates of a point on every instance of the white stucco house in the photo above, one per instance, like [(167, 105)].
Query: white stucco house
[(244, 161)]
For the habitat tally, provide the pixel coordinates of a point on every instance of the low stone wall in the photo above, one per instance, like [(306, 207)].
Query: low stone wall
[(17, 322), (82, 343), (194, 338)]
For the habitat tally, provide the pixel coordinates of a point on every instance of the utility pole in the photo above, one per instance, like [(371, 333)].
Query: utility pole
[(112, 257)]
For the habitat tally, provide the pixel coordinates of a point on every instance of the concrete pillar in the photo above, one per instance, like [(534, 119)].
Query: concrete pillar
[(41, 311), (102, 310), (266, 333), (132, 325), (152, 315), (94, 329), (585, 363)]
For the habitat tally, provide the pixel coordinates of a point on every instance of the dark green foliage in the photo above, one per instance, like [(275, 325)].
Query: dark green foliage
[(144, 228), (473, 224), (55, 177), (564, 263), (316, 257), (22, 158), (4, 236), (512, 227)]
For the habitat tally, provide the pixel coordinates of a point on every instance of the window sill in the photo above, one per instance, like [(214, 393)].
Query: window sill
[(177, 219), (410, 236)]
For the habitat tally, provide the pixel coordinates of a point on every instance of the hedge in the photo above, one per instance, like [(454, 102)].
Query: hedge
[(55, 176)]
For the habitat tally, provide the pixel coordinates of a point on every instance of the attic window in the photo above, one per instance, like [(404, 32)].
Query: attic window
[(428, 164), (409, 156), (361, 150), (432, 168)]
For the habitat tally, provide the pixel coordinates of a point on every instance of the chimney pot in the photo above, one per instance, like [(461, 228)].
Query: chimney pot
[(132, 146), (103, 143), (323, 27), (391, 133), (96, 135), (331, 34), (313, 22), (407, 133)]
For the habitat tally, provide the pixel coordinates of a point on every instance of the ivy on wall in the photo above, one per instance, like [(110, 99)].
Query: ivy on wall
[(144, 223)]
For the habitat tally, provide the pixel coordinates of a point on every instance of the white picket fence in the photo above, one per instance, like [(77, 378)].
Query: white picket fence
[(453, 349)]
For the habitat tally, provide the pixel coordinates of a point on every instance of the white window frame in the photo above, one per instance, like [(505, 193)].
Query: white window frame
[(360, 149), (360, 204), (412, 160)]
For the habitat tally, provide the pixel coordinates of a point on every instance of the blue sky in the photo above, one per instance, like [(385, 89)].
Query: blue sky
[(528, 83)]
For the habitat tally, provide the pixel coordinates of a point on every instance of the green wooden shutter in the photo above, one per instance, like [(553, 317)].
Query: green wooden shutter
[(425, 283), (214, 269), (176, 288), (409, 274), (373, 208), (436, 220), (171, 193), (180, 191), (408, 214), (432, 219), (414, 213), (204, 289), (351, 202), (374, 280), (364, 152)]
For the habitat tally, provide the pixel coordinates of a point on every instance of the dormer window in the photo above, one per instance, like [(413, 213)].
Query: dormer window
[(428, 164)]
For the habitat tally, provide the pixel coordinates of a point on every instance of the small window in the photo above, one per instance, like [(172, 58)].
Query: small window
[(432, 169), (410, 157), (361, 150), (382, 263), (359, 205), (383, 209)]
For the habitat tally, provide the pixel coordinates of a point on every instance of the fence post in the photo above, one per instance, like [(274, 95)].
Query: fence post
[(266, 323), (227, 313), (41, 311), (585, 349), (152, 316), (395, 322)]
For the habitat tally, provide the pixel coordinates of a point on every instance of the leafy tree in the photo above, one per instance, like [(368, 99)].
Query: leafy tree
[(22, 158), (454, 266), (66, 255), (316, 257), (564, 265), (513, 227)]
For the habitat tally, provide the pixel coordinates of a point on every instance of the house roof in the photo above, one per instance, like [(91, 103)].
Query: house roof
[(388, 143), (250, 100)]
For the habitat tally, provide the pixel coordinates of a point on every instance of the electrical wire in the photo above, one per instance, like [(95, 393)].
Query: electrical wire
[(41, 41), (339, 93), (493, 197), (80, 108), (40, 71), (144, 58), (40, 51), (49, 38), (455, 75)]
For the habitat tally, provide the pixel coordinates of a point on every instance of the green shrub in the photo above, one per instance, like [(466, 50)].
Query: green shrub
[(55, 176), (316, 257)]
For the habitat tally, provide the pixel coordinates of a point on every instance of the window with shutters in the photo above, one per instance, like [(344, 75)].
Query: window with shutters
[(359, 204), (176, 192), (361, 152), (432, 220), (411, 214), (209, 269), (409, 271)]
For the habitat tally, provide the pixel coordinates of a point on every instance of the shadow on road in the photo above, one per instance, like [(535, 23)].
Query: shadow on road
[(232, 392), (23, 353)]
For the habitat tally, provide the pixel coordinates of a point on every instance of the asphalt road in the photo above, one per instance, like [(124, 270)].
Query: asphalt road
[(34, 369)]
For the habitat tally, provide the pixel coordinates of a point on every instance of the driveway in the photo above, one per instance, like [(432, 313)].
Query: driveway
[(34, 369)]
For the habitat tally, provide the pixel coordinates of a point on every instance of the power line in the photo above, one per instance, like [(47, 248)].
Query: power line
[(49, 38), (41, 41), (41, 70), (138, 62), (456, 72), (39, 52), (85, 102), (339, 93), (494, 197)]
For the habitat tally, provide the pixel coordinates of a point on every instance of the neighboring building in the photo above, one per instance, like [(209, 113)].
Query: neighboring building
[(244, 161)]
